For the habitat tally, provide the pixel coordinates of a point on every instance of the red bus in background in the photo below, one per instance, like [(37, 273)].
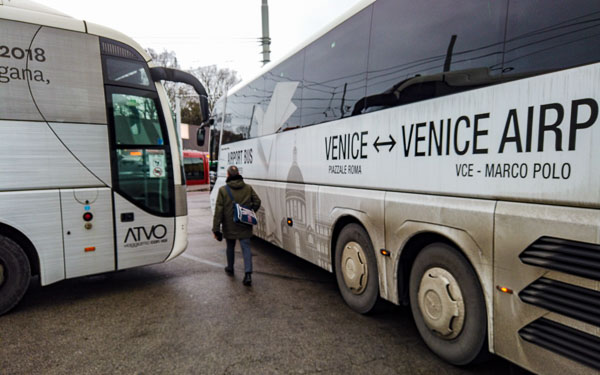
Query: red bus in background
[(195, 164)]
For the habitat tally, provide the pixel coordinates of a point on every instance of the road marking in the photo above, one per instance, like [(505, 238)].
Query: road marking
[(199, 260), (208, 262)]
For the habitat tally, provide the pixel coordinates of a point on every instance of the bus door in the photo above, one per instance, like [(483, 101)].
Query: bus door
[(88, 231), (142, 177)]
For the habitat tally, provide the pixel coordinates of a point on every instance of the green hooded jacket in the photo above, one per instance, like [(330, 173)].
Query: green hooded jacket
[(244, 195)]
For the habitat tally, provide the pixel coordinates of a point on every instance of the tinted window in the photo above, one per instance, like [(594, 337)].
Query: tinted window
[(141, 159), (136, 120), (257, 103), (410, 38), (241, 113), (242, 110), (231, 108), (544, 35), (143, 176), (283, 93), (336, 70), (194, 168), (219, 117), (233, 130), (126, 72), (217, 111)]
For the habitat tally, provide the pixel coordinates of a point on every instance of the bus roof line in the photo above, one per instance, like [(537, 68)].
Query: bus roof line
[(32, 12), (33, 6)]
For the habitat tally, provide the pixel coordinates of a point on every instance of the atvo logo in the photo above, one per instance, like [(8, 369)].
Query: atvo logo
[(140, 233)]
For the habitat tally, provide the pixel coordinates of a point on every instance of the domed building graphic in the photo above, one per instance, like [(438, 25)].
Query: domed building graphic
[(293, 235), (298, 226), (261, 229)]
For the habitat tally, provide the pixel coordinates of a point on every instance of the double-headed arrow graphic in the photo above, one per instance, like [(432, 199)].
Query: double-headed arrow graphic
[(391, 142)]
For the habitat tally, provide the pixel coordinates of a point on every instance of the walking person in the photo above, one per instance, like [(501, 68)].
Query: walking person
[(244, 195)]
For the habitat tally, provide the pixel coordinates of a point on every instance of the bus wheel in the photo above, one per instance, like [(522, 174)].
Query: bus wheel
[(356, 269), (447, 305), (14, 274)]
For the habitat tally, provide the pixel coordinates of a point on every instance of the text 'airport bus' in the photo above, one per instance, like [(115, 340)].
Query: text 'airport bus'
[(90, 167), (440, 154)]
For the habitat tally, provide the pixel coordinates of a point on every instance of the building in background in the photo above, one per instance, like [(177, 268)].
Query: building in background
[(188, 137)]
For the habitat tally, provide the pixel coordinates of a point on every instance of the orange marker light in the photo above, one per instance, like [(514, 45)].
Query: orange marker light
[(385, 253), (135, 153), (504, 289), (91, 248)]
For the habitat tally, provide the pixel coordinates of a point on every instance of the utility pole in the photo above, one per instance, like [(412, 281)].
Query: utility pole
[(265, 40)]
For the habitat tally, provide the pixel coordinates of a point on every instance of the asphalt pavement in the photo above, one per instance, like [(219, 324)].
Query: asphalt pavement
[(188, 317)]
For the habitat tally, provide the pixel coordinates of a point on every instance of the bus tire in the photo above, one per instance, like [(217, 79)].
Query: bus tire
[(447, 304), (15, 273), (356, 269)]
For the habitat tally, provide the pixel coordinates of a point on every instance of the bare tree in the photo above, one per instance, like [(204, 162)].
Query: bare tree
[(216, 81), (168, 59)]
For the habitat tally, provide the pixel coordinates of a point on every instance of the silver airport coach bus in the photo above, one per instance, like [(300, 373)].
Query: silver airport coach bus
[(440, 154), (90, 166)]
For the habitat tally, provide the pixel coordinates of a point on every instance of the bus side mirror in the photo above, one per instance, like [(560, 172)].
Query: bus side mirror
[(159, 73), (204, 112), (201, 136)]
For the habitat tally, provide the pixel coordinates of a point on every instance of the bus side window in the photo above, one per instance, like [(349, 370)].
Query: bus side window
[(136, 120), (287, 74), (541, 37), (142, 169), (466, 35), (122, 130), (335, 72), (130, 73)]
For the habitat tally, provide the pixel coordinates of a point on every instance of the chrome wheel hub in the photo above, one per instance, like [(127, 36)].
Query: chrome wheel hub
[(354, 267), (441, 303)]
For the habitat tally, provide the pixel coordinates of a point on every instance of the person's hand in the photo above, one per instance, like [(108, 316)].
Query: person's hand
[(215, 236), (218, 236)]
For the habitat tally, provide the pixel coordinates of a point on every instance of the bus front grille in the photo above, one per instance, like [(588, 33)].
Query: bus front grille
[(569, 300), (575, 258), (566, 341)]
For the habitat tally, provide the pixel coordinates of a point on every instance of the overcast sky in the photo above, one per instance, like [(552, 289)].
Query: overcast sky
[(205, 32)]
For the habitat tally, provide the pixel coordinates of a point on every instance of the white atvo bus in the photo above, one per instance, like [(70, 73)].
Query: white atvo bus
[(90, 168), (441, 154)]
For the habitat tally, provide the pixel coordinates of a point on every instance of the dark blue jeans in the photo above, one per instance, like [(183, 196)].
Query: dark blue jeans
[(245, 244)]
